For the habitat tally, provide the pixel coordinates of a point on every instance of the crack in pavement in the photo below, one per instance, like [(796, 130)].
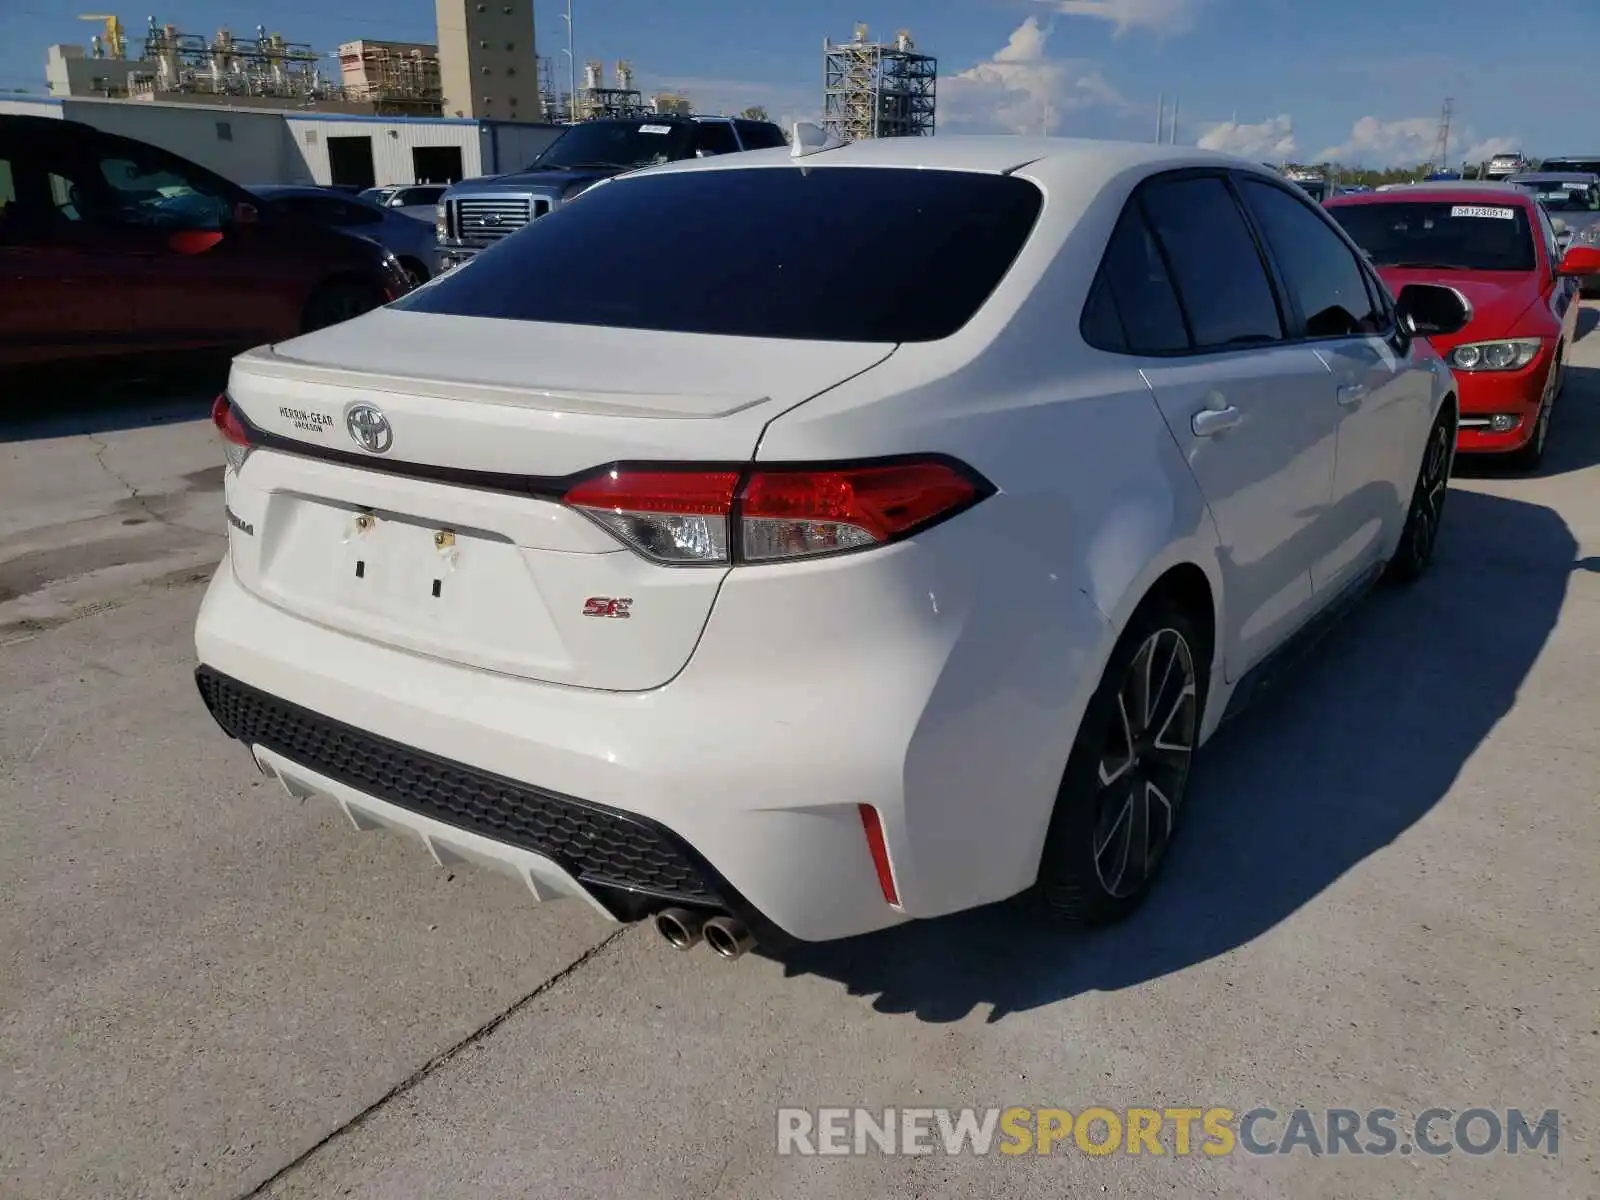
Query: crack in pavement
[(101, 447), (439, 1060)]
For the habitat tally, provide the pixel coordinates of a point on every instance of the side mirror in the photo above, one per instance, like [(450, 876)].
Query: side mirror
[(245, 214), (193, 241), (1580, 261), (1432, 310)]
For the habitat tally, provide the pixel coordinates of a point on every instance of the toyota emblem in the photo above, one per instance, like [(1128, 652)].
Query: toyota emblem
[(369, 428)]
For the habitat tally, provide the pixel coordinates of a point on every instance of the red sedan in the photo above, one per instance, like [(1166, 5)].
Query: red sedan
[(110, 246), (1495, 245)]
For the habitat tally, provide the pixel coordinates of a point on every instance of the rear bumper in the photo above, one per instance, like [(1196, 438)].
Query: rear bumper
[(1513, 396), (735, 787)]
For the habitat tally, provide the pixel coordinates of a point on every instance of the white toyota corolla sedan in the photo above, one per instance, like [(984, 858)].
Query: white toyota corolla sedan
[(792, 544)]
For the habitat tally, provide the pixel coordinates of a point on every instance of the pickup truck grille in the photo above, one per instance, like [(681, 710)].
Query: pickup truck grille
[(490, 218)]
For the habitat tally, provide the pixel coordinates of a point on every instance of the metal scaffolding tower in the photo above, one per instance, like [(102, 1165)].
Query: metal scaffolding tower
[(875, 89), (1441, 144)]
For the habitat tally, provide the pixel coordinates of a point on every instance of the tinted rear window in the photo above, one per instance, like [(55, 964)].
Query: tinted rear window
[(1472, 235), (759, 135), (850, 254), (1215, 264), (622, 145)]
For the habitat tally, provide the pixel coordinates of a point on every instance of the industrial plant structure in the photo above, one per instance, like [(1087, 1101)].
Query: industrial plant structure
[(488, 61), (265, 109), (486, 67), (873, 89), (395, 77)]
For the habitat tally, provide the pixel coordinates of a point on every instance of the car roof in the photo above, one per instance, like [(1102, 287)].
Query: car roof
[(281, 189), (996, 154), (1457, 191), (1552, 176), (268, 190)]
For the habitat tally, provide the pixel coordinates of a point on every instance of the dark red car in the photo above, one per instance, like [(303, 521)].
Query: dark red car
[(110, 246), (1495, 245)]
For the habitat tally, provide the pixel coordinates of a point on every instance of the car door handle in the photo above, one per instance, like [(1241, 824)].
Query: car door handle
[(1209, 422), (1352, 394)]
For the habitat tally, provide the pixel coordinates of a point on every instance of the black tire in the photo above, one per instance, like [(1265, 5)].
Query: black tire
[(1531, 454), (339, 301), (1091, 872), (416, 273), (1420, 535)]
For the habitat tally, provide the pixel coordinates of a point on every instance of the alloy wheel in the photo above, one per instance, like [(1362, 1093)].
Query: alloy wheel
[(1432, 488), (1144, 765)]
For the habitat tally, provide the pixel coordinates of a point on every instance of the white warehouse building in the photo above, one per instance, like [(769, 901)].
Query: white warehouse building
[(259, 145)]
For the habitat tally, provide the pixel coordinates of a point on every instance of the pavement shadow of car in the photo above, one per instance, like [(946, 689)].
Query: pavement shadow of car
[(62, 400), (1587, 320), (1364, 739)]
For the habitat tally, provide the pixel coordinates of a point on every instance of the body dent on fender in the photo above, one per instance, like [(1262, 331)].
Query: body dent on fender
[(1145, 534)]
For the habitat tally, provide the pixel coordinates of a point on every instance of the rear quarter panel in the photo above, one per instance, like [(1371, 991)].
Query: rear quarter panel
[(1095, 503)]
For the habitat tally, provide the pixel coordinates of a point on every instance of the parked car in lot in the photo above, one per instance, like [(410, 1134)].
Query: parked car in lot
[(1586, 164), (476, 213), (1503, 166), (771, 597), (417, 200), (1572, 198), (408, 238), (111, 246), (1495, 244)]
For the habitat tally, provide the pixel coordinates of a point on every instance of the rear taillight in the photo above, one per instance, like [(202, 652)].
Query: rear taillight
[(708, 516), (669, 516), (235, 439)]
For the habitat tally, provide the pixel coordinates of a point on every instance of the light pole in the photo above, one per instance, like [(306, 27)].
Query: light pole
[(572, 67)]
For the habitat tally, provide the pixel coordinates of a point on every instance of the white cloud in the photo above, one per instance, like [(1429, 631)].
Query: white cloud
[(1486, 149), (1022, 90), (1271, 139), (1159, 16), (1377, 143)]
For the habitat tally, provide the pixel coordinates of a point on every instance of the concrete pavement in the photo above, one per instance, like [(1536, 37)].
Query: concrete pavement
[(1385, 896)]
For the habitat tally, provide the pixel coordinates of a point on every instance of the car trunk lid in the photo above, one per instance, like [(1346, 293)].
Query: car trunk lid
[(408, 489)]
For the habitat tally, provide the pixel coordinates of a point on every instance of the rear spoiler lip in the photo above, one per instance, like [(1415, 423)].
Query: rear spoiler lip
[(268, 362)]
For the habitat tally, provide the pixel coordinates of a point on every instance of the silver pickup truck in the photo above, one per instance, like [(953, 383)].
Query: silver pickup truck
[(476, 213)]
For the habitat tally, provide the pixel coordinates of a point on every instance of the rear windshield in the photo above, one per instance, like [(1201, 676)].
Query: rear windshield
[(848, 254), (620, 144), (759, 135), (1587, 166), (1470, 236), (418, 195), (1559, 195)]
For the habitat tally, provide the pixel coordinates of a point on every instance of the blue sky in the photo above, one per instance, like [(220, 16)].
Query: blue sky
[(1268, 78)]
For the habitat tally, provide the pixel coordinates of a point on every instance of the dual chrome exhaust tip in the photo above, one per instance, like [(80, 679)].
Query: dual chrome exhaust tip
[(684, 929)]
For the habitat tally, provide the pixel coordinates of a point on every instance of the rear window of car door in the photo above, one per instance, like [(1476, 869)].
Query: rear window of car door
[(1132, 307), (1214, 261), (1321, 272)]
